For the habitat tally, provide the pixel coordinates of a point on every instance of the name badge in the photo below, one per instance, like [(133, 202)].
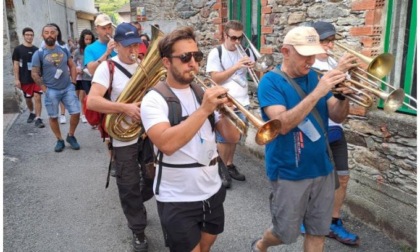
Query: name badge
[(308, 128)]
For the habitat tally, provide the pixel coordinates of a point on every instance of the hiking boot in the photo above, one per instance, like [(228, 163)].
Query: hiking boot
[(140, 242), (224, 175), (113, 171), (73, 142), (59, 146), (338, 232), (31, 118), (234, 173), (39, 123), (63, 119)]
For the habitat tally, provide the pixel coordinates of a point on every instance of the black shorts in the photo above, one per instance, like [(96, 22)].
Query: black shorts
[(183, 222), (340, 155), (79, 85)]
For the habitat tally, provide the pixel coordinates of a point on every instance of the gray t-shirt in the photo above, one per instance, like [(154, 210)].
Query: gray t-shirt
[(53, 59)]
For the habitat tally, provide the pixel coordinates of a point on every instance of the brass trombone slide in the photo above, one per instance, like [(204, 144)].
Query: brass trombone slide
[(392, 101), (251, 71), (378, 68), (266, 131)]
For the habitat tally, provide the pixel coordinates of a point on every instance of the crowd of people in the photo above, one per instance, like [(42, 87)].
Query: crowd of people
[(306, 164)]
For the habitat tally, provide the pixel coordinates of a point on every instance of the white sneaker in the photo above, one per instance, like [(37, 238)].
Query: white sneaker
[(63, 119), (83, 117)]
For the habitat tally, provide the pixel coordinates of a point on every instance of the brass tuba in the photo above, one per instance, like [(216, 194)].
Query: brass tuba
[(147, 75)]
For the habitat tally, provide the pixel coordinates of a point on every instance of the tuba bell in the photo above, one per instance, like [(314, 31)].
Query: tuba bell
[(148, 74)]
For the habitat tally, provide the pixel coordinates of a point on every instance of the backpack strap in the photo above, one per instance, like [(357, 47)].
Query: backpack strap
[(111, 67), (174, 105), (122, 69), (219, 50)]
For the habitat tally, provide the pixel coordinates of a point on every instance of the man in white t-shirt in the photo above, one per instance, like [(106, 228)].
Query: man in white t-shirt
[(230, 70), (187, 186), (128, 178), (336, 137)]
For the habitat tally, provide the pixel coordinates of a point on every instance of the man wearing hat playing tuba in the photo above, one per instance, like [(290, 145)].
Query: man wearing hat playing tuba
[(127, 41)]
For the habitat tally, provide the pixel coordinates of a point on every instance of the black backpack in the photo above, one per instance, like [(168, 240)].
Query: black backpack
[(146, 156)]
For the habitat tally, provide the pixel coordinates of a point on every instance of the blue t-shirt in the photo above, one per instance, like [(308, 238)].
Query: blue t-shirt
[(53, 59), (94, 51), (294, 156)]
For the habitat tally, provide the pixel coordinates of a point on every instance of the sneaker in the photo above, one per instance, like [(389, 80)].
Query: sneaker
[(302, 229), (140, 242), (31, 118), (234, 173), (83, 118), (338, 232), (59, 146), (224, 174), (39, 123), (63, 119), (113, 171), (73, 142)]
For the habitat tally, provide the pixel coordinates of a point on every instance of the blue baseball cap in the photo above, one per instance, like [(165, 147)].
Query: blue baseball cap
[(324, 29), (127, 34)]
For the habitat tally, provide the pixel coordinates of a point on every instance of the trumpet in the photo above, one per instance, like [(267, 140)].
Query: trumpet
[(262, 62), (251, 71), (266, 131), (392, 101)]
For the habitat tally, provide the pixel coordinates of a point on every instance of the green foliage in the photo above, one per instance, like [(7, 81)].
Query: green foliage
[(110, 6)]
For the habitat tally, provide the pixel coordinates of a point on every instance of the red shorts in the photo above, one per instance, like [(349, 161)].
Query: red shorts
[(30, 89)]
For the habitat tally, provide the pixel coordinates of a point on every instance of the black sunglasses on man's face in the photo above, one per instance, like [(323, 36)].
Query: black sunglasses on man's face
[(186, 57), (234, 38)]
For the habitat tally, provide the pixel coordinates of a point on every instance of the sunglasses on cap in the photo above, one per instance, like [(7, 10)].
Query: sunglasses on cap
[(234, 38), (186, 57)]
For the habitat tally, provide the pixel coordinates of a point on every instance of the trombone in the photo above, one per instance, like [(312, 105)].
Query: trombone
[(262, 62), (392, 101), (266, 131), (378, 68)]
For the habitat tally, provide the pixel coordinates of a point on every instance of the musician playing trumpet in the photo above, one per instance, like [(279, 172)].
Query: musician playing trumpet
[(188, 191), (297, 161), (228, 67), (337, 138)]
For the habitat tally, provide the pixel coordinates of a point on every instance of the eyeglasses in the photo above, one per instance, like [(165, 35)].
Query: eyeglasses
[(186, 57), (327, 41), (234, 38)]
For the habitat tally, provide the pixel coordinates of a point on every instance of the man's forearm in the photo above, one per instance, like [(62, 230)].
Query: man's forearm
[(292, 117)]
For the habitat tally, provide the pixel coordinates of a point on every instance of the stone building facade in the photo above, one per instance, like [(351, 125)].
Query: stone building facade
[(382, 147)]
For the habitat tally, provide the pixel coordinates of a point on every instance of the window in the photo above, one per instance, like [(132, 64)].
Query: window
[(248, 12), (401, 31)]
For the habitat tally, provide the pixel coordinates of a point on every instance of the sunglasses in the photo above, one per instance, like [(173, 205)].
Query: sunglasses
[(186, 57), (234, 38)]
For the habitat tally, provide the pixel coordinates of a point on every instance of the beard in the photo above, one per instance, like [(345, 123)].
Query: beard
[(179, 77), (49, 41)]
